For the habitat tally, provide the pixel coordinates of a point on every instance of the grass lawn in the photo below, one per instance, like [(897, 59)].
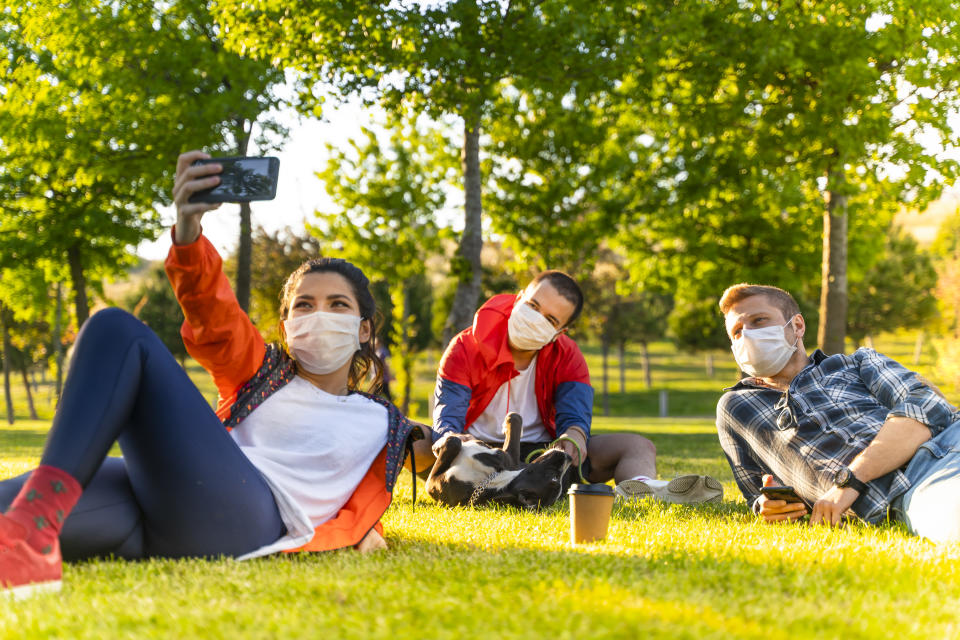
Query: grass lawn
[(663, 571)]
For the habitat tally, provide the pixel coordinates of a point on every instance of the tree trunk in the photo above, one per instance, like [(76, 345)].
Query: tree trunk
[(709, 365), (466, 261), (57, 341), (832, 333), (245, 244), (7, 393), (623, 367), (918, 348), (79, 281), (26, 385), (244, 253), (645, 362), (606, 393), (956, 291), (406, 348), (868, 341)]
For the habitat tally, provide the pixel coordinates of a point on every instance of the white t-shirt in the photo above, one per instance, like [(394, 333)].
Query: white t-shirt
[(514, 396), (313, 448)]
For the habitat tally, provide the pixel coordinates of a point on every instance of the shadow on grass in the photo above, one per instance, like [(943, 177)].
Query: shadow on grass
[(503, 573), (662, 589), (627, 511)]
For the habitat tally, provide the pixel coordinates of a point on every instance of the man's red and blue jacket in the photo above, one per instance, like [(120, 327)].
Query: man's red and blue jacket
[(478, 361)]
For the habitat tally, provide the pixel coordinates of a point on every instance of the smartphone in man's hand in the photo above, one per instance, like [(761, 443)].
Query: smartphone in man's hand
[(786, 494), (242, 179)]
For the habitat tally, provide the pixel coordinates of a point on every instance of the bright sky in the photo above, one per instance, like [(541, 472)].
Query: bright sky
[(299, 192)]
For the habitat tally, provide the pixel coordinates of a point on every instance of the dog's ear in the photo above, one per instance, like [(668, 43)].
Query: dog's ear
[(446, 449)]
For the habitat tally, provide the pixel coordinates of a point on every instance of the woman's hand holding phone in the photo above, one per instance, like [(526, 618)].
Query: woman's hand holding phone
[(774, 510), (189, 179)]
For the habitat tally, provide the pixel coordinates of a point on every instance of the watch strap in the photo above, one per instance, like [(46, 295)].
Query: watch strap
[(853, 482)]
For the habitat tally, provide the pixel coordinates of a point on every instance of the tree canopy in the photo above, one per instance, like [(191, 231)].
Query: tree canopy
[(98, 100)]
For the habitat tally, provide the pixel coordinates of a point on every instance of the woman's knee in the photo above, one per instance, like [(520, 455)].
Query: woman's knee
[(113, 324), (112, 317)]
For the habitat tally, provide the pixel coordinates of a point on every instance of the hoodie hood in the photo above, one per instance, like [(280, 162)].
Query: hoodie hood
[(490, 329)]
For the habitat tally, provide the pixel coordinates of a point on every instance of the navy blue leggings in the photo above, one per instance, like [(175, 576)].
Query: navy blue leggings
[(183, 486)]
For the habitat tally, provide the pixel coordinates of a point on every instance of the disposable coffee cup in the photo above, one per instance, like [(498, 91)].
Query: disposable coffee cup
[(590, 506)]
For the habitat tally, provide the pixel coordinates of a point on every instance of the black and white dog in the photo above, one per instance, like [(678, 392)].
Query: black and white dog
[(470, 472)]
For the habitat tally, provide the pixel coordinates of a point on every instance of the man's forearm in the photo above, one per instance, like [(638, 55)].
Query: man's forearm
[(579, 435), (895, 444), (574, 440)]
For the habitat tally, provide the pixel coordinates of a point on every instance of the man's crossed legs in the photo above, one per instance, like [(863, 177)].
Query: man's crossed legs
[(631, 461)]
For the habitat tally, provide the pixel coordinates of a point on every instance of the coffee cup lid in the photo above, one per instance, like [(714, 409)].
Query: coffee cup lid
[(597, 489)]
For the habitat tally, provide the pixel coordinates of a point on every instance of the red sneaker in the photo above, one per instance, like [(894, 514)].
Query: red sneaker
[(25, 572), (10, 531)]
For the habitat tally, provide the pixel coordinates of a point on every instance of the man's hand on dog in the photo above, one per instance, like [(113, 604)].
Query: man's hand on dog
[(570, 448), (463, 437)]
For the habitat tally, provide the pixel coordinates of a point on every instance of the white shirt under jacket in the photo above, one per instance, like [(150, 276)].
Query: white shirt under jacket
[(517, 395), (313, 448)]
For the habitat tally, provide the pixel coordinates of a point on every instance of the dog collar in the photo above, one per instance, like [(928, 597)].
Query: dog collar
[(482, 487)]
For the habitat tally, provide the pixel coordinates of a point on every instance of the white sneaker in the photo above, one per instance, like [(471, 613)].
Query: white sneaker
[(689, 489)]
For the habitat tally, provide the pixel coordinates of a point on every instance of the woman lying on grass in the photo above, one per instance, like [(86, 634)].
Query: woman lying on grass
[(306, 462)]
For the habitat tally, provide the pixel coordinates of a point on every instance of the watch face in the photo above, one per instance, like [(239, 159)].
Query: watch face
[(842, 478)]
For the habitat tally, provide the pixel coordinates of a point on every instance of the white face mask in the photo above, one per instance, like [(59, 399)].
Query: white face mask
[(763, 352), (527, 329), (322, 342)]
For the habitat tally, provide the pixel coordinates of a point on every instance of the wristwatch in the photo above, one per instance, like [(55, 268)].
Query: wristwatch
[(844, 478)]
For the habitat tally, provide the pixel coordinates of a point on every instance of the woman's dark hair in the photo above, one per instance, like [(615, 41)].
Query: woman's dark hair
[(365, 361)]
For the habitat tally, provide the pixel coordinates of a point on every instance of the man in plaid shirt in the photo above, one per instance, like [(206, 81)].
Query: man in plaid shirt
[(857, 433)]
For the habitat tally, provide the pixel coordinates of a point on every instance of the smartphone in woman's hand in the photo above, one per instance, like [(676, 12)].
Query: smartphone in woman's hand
[(243, 179)]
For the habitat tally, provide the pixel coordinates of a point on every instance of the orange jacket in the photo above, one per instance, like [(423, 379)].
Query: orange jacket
[(220, 336)]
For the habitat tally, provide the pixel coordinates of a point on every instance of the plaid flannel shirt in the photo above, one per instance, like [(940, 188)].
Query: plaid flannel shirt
[(829, 413)]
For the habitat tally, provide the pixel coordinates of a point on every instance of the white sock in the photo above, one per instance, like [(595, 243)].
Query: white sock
[(650, 482)]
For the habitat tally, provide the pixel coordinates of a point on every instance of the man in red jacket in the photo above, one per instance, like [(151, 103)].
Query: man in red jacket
[(517, 358)]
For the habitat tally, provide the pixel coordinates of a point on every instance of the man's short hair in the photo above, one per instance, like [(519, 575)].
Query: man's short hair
[(566, 287), (777, 296)]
